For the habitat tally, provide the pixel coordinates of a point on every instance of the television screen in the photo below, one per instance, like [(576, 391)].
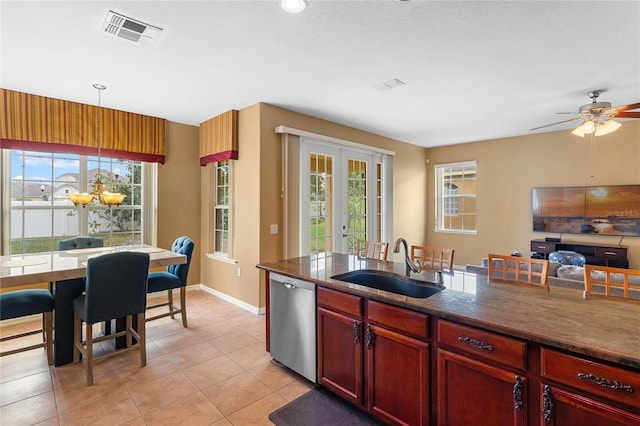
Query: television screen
[(601, 210)]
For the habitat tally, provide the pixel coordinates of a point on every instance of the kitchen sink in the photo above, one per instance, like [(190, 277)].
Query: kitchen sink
[(389, 281)]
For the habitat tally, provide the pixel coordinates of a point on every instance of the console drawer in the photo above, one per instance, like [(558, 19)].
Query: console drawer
[(612, 253), (483, 344), (542, 246), (592, 377), (340, 302)]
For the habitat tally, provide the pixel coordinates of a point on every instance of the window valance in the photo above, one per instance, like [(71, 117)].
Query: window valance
[(219, 138), (38, 123)]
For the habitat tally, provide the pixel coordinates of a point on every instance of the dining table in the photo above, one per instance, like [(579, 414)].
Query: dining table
[(65, 271)]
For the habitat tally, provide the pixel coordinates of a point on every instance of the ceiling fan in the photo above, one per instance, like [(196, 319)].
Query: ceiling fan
[(597, 116)]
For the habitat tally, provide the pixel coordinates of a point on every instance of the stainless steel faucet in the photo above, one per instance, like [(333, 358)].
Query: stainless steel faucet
[(410, 266)]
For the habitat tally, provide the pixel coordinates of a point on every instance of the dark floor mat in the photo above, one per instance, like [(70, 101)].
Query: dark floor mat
[(319, 407)]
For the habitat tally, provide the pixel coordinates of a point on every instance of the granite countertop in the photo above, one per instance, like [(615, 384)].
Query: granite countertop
[(604, 328)]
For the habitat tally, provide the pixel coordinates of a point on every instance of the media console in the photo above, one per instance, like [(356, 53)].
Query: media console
[(596, 254)]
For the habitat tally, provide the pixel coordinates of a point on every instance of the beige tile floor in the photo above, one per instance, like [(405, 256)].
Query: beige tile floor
[(215, 372)]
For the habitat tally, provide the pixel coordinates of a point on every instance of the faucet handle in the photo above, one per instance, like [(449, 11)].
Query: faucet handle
[(418, 265)]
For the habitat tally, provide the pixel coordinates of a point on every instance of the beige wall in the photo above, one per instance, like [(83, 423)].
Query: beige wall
[(179, 192), (258, 203), (509, 168)]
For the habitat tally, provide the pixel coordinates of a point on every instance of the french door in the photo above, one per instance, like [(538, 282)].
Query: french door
[(342, 198)]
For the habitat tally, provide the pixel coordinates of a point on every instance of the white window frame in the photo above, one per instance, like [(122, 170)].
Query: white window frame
[(445, 209), (217, 254), (148, 202)]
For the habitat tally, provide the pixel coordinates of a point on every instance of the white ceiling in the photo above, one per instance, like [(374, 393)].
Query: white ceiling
[(473, 70)]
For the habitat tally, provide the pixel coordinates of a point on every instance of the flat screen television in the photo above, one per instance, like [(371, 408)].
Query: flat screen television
[(598, 210)]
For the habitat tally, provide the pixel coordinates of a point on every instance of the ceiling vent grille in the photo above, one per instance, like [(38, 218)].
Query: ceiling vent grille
[(390, 84), (130, 29)]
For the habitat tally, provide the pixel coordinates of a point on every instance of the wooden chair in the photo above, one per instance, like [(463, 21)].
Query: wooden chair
[(433, 257), (519, 269), (372, 250), (609, 281), (116, 287)]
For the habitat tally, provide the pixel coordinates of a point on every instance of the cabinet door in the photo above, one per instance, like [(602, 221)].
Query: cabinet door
[(561, 407), (397, 376), (340, 363), (471, 392)]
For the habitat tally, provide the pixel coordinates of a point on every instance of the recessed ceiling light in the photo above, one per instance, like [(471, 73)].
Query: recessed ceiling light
[(293, 6)]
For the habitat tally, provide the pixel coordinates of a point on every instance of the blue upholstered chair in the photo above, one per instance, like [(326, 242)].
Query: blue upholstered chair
[(80, 243), (116, 287), (174, 277), (22, 303)]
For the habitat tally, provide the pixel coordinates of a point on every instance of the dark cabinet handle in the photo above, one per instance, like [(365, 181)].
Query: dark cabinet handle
[(518, 394), (367, 336), (356, 332), (547, 404), (611, 384), (475, 343)]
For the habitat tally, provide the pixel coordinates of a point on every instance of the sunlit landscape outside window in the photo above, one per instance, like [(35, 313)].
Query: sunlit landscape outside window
[(42, 214)]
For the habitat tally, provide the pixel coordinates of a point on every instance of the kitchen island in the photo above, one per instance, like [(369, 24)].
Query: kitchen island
[(532, 331)]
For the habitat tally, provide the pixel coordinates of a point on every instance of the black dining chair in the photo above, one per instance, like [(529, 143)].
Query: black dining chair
[(21, 303), (116, 287), (174, 277)]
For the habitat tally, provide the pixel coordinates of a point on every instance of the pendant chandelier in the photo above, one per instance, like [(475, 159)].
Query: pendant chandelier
[(105, 197)]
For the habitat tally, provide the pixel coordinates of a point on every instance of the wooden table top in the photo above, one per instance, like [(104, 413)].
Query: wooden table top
[(17, 270)]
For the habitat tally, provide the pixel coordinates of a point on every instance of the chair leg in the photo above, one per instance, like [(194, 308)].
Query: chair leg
[(77, 337), (183, 305), (142, 333), (89, 333), (128, 327), (170, 298), (48, 327)]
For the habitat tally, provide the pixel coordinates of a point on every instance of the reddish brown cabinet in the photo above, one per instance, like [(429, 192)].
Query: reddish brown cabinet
[(579, 391), (386, 343), (482, 377)]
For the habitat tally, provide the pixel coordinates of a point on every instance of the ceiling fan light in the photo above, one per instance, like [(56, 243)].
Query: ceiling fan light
[(588, 127), (293, 6), (578, 131), (609, 126)]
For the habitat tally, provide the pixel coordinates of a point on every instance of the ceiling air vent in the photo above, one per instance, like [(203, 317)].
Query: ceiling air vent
[(130, 29), (386, 85)]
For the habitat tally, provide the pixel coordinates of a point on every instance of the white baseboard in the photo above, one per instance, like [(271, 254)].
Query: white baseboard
[(227, 298)]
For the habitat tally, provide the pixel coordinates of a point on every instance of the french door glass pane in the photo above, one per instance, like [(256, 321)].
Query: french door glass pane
[(357, 202), (321, 213)]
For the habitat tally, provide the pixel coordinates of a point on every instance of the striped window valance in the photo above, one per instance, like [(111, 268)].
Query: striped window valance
[(219, 138), (38, 123)]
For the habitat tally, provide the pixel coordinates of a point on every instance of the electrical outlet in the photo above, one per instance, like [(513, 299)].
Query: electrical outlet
[(238, 272), (274, 228)]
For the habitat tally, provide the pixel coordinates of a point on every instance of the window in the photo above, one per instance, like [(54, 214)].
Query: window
[(456, 197), (221, 209), (40, 214)]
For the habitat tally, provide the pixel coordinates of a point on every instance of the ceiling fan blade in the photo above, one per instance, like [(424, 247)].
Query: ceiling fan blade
[(559, 122), (628, 115), (619, 109)]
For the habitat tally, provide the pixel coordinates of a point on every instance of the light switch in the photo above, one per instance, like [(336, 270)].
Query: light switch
[(274, 228)]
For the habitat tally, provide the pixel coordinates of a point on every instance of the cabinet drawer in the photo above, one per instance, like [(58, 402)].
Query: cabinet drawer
[(340, 302), (592, 377), (483, 344), (542, 247), (612, 253), (404, 320)]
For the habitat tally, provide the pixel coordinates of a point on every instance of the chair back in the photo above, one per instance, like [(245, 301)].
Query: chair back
[(116, 286), (609, 281), (372, 249), (80, 243), (519, 269), (182, 245), (433, 257)]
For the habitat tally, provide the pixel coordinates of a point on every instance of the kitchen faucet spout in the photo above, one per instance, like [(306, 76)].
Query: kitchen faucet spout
[(410, 266)]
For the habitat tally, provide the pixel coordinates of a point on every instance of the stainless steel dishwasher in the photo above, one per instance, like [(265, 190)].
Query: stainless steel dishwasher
[(292, 322)]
